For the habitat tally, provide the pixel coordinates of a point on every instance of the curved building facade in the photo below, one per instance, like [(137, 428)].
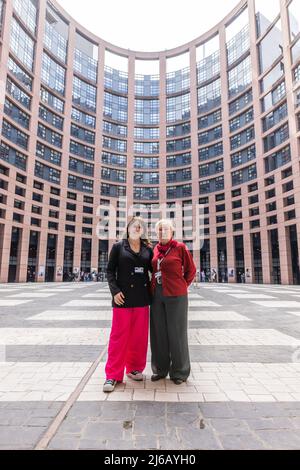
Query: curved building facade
[(214, 144)]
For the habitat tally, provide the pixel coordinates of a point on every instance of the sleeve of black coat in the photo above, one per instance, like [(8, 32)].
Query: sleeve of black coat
[(112, 270)]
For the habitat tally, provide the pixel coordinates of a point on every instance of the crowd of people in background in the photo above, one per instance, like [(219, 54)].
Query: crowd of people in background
[(84, 276)]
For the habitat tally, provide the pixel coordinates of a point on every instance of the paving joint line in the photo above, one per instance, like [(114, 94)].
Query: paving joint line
[(57, 421)]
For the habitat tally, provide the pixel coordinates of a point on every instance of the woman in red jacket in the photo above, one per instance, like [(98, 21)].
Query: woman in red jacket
[(173, 271)]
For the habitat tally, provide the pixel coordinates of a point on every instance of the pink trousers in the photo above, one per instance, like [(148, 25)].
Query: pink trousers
[(128, 341)]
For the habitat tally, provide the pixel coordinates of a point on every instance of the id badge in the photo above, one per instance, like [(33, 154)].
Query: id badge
[(139, 270)]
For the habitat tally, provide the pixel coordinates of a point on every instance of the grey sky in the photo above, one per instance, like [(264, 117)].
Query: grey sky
[(136, 24)]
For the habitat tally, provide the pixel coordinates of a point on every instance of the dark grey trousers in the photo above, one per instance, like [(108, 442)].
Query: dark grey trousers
[(168, 335)]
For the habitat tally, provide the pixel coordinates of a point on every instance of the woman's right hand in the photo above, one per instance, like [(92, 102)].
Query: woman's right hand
[(119, 298)]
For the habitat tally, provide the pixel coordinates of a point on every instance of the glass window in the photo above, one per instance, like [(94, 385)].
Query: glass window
[(240, 102), (266, 12), (146, 162), (296, 51), (211, 185), (86, 57), (238, 45), (53, 74), (55, 42), (297, 74), (237, 24), (178, 108), (147, 85), (115, 107), (276, 138), (146, 133), (112, 190), (178, 144), (113, 174), (178, 81), (83, 134), (1, 13), (208, 67), (240, 77), (146, 111), (85, 65), (83, 118), (114, 159), (18, 94), (51, 117), (15, 135), (179, 191), (209, 136), (146, 178), (13, 157), (241, 120), (27, 10), (21, 44), (243, 156), (20, 74), (146, 147), (272, 77), (47, 153), (179, 130), (83, 151), (277, 159), (294, 18), (115, 80), (84, 94), (16, 114), (208, 48), (209, 96), (145, 193), (274, 117), (273, 97), (242, 138), (270, 47), (209, 119), (114, 144), (211, 151), (181, 159), (50, 136), (50, 99), (47, 173)]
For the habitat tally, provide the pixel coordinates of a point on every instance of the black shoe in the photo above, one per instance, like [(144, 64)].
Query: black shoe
[(178, 381), (156, 377)]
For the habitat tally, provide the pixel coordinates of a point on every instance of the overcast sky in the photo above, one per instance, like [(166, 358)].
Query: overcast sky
[(150, 25)]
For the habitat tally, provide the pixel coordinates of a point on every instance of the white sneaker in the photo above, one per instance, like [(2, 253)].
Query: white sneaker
[(109, 385), (135, 375)]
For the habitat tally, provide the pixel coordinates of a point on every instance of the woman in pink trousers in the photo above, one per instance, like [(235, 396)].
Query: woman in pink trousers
[(128, 270)]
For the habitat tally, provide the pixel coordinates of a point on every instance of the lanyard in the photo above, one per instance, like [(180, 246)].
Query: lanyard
[(160, 260)]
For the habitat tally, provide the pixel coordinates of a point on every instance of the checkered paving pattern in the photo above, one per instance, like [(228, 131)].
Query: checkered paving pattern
[(244, 346)]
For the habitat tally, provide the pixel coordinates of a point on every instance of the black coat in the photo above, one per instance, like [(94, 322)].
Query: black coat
[(123, 275)]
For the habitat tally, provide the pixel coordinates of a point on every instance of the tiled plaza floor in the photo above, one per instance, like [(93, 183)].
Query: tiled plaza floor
[(243, 391)]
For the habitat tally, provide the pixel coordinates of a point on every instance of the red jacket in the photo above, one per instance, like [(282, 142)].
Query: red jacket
[(177, 269)]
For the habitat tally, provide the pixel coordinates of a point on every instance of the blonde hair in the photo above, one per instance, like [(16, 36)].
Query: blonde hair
[(165, 222)]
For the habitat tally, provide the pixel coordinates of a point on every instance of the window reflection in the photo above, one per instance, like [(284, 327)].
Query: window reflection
[(270, 47), (266, 13)]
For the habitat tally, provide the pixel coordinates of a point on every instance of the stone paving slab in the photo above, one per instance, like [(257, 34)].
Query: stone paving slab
[(178, 426), (243, 391)]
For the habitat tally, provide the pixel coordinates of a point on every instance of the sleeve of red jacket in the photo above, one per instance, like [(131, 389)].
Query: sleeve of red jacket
[(189, 267)]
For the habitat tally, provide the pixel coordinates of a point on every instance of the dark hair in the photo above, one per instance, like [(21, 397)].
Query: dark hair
[(144, 237)]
